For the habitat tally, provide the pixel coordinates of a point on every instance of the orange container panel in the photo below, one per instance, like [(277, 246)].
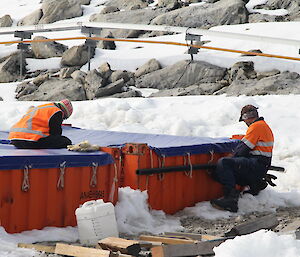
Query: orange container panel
[(49, 197), (172, 191)]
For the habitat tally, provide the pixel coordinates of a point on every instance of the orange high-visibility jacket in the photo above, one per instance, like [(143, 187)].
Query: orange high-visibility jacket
[(259, 138), (34, 124)]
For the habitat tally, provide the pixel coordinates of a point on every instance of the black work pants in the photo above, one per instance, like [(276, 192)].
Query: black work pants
[(50, 142), (241, 171)]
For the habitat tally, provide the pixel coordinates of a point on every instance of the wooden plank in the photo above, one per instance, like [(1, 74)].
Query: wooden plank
[(211, 237), (147, 244), (38, 247), (79, 251), (166, 240), (158, 251), (291, 227), (193, 236), (267, 222), (131, 247), (200, 248)]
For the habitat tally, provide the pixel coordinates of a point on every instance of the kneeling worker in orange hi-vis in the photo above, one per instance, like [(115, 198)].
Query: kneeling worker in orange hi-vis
[(41, 127), (249, 164)]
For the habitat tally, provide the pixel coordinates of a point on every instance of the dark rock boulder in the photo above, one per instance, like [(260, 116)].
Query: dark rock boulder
[(56, 10), (105, 71), (282, 84), (140, 16), (148, 67), (120, 74), (110, 45), (40, 79), (10, 68), (242, 71), (109, 9), (127, 4), (6, 21), (181, 74), (25, 88), (202, 89), (93, 81), (42, 50), (77, 55), (32, 18), (130, 93), (57, 89), (66, 73), (111, 89), (224, 12)]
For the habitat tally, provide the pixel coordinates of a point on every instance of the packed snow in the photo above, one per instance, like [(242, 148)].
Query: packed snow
[(211, 116)]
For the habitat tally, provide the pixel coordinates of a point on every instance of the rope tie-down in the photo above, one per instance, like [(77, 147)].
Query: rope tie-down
[(25, 183), (61, 179), (162, 161), (189, 173), (93, 182), (113, 186)]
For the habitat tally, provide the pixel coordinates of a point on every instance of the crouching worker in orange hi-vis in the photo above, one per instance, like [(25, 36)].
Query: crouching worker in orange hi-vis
[(249, 164), (41, 127)]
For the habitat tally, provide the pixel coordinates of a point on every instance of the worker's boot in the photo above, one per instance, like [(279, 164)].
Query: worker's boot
[(229, 202)]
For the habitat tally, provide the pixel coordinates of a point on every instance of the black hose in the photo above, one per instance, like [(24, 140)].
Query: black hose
[(207, 166)]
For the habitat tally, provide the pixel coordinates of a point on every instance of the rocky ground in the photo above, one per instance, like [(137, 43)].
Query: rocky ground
[(285, 216)]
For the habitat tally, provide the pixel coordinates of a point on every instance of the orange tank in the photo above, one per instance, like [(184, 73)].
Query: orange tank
[(33, 198), (172, 191)]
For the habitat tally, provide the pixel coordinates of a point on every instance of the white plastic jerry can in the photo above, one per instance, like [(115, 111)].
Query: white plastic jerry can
[(96, 220)]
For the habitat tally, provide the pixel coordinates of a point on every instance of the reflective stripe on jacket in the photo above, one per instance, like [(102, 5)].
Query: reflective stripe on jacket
[(259, 138), (34, 124)]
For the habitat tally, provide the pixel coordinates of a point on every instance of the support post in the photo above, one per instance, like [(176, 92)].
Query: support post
[(192, 50), (89, 42), (23, 47)]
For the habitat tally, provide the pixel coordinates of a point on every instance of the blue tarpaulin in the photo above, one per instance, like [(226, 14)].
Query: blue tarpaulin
[(166, 145), (163, 145)]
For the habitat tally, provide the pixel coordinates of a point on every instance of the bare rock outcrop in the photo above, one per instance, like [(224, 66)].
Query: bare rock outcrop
[(148, 67), (202, 89), (32, 18), (292, 8), (55, 10), (281, 84), (93, 81), (77, 55), (10, 68), (6, 21), (110, 45), (242, 71), (181, 74), (223, 12), (25, 88), (140, 16), (127, 4), (109, 9), (111, 89), (43, 50), (56, 89)]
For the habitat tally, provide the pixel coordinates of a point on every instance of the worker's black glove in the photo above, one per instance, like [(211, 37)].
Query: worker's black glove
[(261, 185), (268, 178)]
